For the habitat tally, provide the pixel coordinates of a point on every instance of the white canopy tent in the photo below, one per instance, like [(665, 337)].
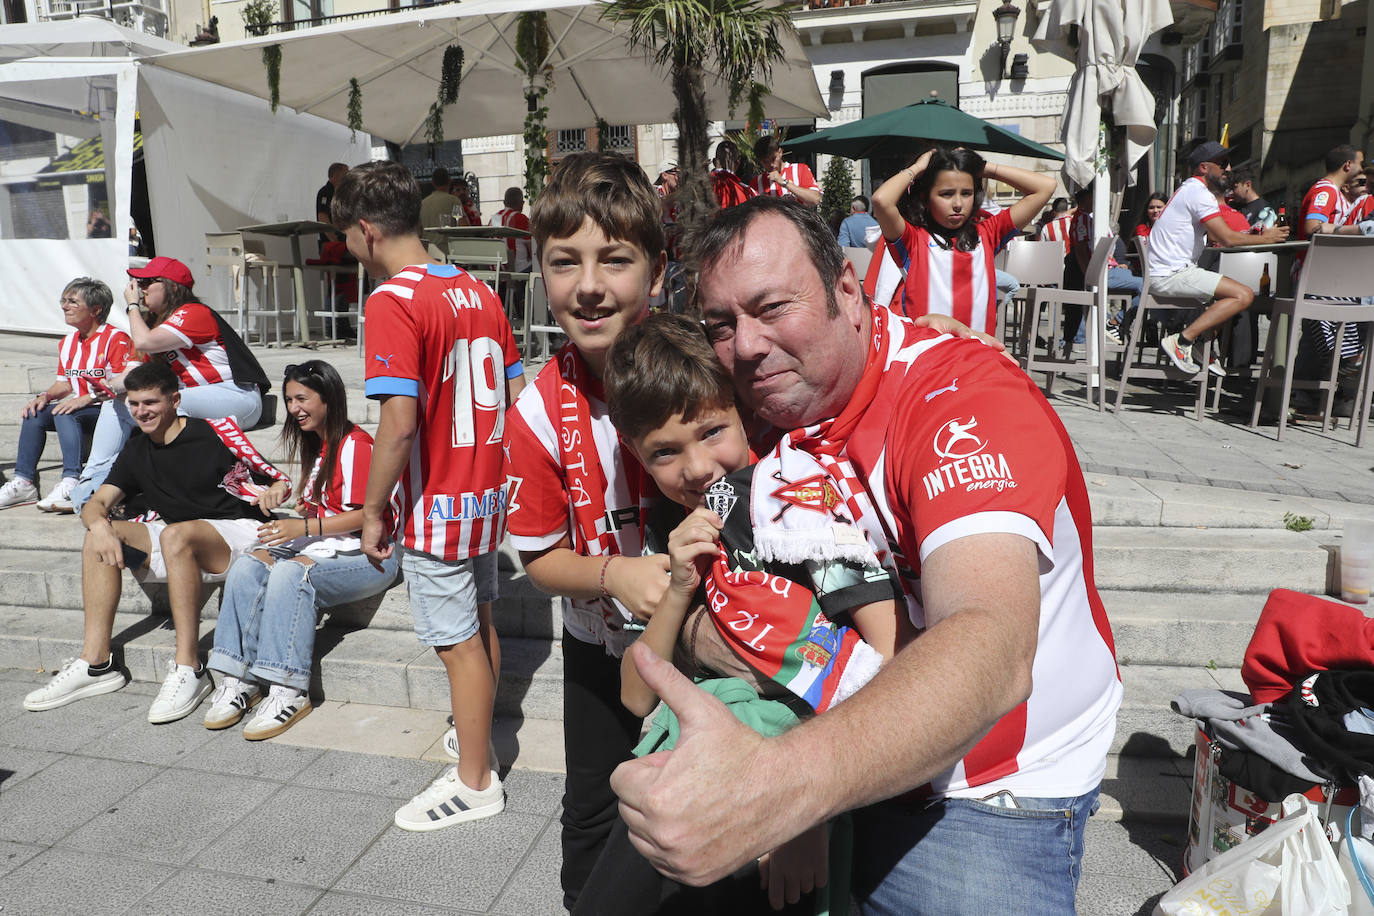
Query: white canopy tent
[(203, 150), (397, 59)]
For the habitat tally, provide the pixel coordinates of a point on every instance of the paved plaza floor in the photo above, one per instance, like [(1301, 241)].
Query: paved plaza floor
[(102, 812)]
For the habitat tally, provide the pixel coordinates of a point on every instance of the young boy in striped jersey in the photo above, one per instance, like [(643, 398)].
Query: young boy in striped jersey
[(442, 361)]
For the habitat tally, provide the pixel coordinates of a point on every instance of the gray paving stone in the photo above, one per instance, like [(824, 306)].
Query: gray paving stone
[(478, 860), (229, 753), (13, 855), (141, 741), (48, 805), (336, 904), (209, 893), (534, 888), (1133, 849), (18, 764), (1116, 896), (70, 728), (67, 881), (301, 835), (190, 810), (391, 777), (534, 792)]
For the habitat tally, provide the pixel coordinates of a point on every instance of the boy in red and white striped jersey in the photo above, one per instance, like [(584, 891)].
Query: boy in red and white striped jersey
[(782, 179), (442, 361)]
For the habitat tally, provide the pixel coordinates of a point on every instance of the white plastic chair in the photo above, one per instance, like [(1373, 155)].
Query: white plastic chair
[(1336, 266), (1095, 302), (1133, 362), (1033, 264)]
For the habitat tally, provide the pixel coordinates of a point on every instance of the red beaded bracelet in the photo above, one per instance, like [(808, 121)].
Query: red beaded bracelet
[(604, 566)]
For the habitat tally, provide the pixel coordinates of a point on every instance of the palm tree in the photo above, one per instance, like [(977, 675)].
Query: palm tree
[(738, 38)]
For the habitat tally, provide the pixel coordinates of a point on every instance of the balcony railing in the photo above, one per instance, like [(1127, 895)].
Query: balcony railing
[(148, 16), (835, 4), (273, 28)]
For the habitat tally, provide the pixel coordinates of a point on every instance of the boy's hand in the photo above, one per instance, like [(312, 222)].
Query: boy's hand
[(797, 867), (947, 325), (691, 548), (636, 582), (376, 542)]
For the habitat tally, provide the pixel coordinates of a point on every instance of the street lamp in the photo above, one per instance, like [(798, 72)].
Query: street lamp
[(1006, 24)]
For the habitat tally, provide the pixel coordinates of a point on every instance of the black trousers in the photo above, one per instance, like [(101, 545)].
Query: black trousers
[(598, 735)]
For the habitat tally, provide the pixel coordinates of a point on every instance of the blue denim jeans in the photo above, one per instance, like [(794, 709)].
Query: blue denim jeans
[(962, 856), (267, 615), (209, 402), (33, 436)]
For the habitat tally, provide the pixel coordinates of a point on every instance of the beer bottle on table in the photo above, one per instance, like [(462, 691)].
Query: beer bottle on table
[(1265, 283)]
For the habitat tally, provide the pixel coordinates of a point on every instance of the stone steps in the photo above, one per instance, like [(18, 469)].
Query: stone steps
[(380, 667)]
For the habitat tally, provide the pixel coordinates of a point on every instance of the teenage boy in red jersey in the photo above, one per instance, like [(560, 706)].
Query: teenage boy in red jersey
[(442, 361)]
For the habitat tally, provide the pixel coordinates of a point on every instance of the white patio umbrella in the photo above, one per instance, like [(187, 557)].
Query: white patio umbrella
[(397, 60), (83, 37), (1111, 34)]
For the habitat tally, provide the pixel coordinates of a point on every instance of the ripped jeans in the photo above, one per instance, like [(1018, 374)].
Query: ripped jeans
[(267, 615)]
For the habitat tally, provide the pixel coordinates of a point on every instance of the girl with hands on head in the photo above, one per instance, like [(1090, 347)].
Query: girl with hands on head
[(932, 221), (266, 630)]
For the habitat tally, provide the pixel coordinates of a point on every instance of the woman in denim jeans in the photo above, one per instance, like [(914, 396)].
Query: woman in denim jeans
[(266, 629)]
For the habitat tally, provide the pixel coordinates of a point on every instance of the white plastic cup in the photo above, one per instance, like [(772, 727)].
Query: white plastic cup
[(1357, 560)]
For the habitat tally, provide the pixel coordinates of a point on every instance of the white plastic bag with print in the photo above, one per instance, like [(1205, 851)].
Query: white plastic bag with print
[(1288, 870)]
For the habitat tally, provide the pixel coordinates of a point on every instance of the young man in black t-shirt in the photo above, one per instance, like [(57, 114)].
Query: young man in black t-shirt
[(209, 492)]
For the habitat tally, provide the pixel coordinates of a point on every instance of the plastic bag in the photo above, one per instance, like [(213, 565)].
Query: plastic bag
[(1288, 870)]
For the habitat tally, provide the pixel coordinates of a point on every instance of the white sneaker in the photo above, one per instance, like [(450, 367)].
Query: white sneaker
[(182, 690), (451, 748), (233, 698), (18, 493), (283, 708), (449, 801), (59, 499), (74, 681)]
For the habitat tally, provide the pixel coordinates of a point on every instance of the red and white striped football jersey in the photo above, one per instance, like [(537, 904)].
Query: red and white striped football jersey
[(86, 364), (520, 252), (1058, 230), (543, 505), (797, 173), (437, 335), (956, 441), (203, 360), (347, 486), (942, 280)]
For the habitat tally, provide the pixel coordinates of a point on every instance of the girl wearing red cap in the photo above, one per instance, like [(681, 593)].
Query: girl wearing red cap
[(218, 374)]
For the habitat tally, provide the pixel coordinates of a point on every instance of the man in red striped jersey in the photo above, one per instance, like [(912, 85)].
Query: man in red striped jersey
[(979, 748), (442, 361)]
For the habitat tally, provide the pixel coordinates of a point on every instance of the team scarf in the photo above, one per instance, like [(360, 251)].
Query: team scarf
[(582, 470), (825, 443), (777, 627)]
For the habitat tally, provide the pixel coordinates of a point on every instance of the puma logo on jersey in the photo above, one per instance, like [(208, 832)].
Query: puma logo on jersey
[(952, 386), (384, 360)]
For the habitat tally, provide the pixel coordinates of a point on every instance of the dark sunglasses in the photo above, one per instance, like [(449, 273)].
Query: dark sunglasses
[(145, 282)]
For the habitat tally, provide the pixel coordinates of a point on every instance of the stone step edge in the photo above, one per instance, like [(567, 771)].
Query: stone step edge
[(386, 668)]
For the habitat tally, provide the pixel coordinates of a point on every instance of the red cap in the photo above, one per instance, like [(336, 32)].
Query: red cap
[(165, 269)]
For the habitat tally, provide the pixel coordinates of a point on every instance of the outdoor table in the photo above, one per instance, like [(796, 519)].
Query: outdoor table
[(294, 229), (476, 232), (1282, 287)]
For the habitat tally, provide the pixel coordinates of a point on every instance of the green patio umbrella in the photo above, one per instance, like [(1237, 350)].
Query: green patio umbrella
[(899, 132)]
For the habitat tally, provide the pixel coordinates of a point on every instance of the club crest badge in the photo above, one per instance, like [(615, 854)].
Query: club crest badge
[(721, 498), (815, 493)]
